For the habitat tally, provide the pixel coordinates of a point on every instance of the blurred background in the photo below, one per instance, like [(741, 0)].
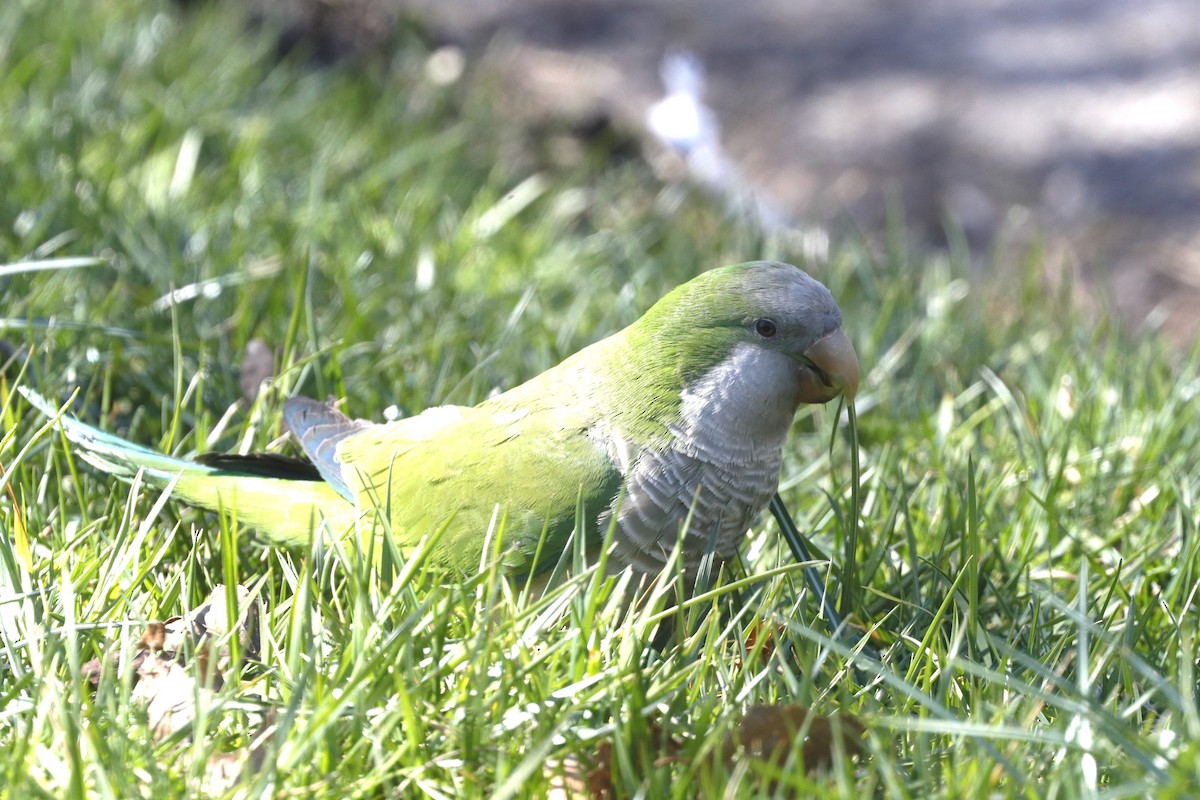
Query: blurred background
[(1069, 125)]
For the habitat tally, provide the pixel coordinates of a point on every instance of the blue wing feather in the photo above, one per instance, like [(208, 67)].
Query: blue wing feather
[(319, 427)]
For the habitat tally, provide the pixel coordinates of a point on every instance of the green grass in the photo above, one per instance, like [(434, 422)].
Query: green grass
[(1026, 559)]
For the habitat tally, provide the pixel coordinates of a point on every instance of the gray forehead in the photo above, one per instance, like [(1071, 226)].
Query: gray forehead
[(785, 289)]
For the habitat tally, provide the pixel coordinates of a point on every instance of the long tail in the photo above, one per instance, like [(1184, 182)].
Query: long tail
[(283, 499)]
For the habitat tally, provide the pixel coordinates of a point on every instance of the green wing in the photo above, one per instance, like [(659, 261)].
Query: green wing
[(463, 467)]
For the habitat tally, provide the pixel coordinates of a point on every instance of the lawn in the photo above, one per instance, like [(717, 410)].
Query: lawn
[(1019, 575)]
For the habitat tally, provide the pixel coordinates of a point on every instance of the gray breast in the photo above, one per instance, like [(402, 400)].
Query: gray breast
[(721, 466), (663, 488)]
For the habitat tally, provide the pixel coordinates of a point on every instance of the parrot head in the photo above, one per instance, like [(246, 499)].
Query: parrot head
[(695, 400), (761, 321)]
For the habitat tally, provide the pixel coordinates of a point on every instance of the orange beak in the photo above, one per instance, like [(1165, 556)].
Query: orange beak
[(831, 369)]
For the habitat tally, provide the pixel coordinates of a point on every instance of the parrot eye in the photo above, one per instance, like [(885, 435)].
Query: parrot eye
[(765, 327)]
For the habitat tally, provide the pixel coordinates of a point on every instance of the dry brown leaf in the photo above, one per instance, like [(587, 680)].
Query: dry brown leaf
[(769, 634), (169, 692), (258, 365), (155, 636), (770, 731), (165, 684), (599, 778), (197, 633), (171, 688), (213, 619), (765, 732), (597, 782)]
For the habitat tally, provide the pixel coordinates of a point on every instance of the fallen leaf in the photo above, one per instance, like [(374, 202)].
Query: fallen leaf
[(155, 636), (169, 692), (197, 634), (212, 619), (171, 687), (766, 732), (770, 732), (769, 634), (597, 782), (258, 365), (598, 779)]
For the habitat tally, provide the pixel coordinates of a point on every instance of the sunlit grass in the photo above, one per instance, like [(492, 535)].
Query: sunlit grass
[(1022, 618)]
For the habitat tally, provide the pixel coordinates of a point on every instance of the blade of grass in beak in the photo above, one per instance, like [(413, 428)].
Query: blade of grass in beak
[(802, 553), (801, 550), (850, 582)]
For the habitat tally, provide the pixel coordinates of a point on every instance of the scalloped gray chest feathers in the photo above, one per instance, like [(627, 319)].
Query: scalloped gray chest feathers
[(721, 468)]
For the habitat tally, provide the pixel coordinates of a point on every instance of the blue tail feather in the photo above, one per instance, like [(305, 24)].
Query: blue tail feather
[(107, 451)]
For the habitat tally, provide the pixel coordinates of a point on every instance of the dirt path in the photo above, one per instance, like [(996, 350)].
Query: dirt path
[(1077, 119)]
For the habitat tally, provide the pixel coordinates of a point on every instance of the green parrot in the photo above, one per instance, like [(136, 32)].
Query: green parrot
[(680, 416)]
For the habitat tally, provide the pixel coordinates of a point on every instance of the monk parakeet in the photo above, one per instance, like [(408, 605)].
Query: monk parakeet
[(680, 416)]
